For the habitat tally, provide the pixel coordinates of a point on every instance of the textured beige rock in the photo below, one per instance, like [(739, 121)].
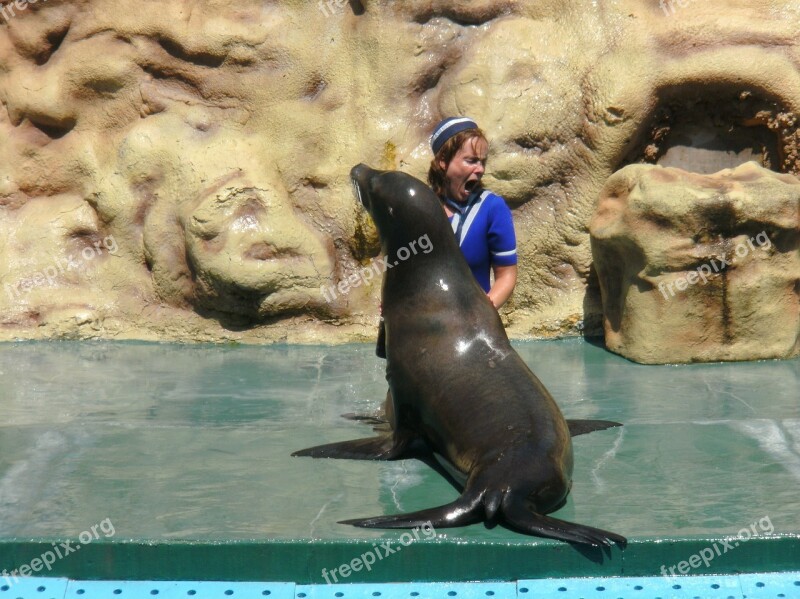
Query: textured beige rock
[(699, 267), (212, 140)]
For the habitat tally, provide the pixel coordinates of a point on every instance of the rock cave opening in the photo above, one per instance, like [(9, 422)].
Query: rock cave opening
[(707, 129)]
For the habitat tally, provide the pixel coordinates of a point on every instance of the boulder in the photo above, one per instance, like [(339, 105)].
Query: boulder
[(699, 268)]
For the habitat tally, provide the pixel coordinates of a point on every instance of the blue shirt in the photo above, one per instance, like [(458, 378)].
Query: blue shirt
[(487, 235)]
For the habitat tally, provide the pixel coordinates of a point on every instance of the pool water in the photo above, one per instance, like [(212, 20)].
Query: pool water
[(181, 442)]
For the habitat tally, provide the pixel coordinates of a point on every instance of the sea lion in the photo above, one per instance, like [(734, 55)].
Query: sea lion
[(456, 386)]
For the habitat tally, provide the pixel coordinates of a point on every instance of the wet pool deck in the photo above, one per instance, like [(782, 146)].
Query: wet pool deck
[(178, 457)]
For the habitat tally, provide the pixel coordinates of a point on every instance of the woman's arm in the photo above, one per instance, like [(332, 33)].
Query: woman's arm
[(505, 278)]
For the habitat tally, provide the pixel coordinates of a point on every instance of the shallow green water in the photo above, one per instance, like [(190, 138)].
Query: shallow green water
[(193, 442)]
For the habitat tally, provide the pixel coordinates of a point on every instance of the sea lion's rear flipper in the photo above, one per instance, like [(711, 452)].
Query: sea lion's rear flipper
[(519, 517), (467, 509), (581, 427), (461, 512), (385, 447)]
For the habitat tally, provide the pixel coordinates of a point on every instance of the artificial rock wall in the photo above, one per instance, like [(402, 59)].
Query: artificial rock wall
[(179, 169)]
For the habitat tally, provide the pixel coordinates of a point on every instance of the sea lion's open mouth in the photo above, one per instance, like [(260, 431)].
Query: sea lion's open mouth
[(357, 191), (358, 177)]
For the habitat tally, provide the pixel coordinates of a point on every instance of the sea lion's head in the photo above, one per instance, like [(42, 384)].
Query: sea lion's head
[(402, 207)]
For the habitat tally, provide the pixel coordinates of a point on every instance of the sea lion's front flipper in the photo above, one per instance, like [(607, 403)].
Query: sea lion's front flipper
[(384, 447), (581, 427), (382, 420), (380, 345), (519, 517), (373, 419)]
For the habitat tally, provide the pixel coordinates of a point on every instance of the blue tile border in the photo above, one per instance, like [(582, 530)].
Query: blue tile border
[(736, 586), (756, 586), (706, 587), (733, 586), (410, 590), (81, 589), (33, 588)]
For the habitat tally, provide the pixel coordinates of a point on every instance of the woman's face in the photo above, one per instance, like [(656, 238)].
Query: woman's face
[(466, 168)]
